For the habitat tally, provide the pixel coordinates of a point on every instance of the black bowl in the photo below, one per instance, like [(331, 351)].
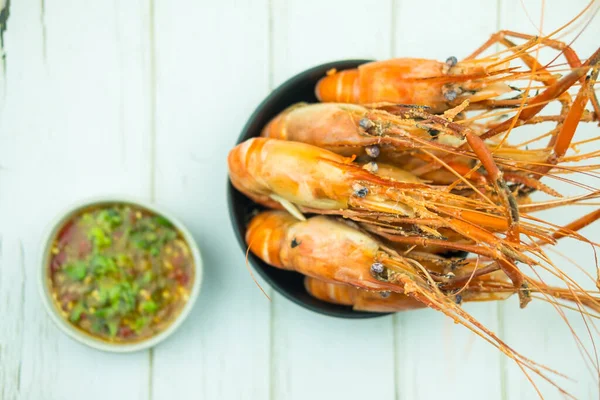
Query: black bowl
[(300, 88)]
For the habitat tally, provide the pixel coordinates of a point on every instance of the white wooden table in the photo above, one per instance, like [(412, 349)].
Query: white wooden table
[(145, 98)]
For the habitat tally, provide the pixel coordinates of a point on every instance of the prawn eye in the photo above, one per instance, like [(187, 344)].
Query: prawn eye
[(451, 61), (458, 299), (525, 287), (295, 243), (450, 95), (373, 151), (371, 166), (377, 268), (379, 272), (360, 190), (365, 123)]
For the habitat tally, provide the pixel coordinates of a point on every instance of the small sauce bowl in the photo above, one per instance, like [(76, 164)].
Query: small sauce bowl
[(114, 344)]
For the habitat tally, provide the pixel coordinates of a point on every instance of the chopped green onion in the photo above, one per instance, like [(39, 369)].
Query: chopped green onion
[(105, 313), (76, 270), (150, 237), (99, 238), (102, 295), (109, 219), (123, 260), (147, 278), (113, 326), (102, 265), (128, 296), (97, 326), (76, 312), (114, 294), (170, 235), (160, 220), (149, 306), (140, 323)]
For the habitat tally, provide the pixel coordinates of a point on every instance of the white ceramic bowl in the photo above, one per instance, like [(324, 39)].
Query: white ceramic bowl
[(87, 339)]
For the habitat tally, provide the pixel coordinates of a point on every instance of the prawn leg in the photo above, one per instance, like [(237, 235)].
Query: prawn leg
[(504, 259), (576, 225), (484, 155), (537, 103), (501, 37), (562, 141), (580, 223), (481, 151), (571, 56), (569, 230)]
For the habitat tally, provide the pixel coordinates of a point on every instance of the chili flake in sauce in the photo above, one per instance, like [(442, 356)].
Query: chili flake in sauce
[(120, 273)]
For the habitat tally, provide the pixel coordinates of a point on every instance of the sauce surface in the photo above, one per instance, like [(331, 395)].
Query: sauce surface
[(120, 273)]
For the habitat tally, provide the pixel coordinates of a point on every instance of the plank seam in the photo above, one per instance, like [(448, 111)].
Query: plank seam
[(271, 51), (4, 14), (22, 264), (152, 71), (152, 155), (43, 23), (270, 84), (393, 10)]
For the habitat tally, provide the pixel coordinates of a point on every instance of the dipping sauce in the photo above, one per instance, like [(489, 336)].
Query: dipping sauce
[(120, 273)]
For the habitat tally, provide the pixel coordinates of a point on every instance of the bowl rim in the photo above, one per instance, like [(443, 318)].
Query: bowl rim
[(282, 88), (87, 339)]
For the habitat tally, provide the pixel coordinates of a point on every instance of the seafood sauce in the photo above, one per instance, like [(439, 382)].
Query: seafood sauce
[(120, 273)]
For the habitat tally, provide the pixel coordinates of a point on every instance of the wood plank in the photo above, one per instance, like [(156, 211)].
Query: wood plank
[(316, 356), (433, 354), (423, 30), (12, 305), (211, 72), (538, 331), (308, 33), (74, 87)]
